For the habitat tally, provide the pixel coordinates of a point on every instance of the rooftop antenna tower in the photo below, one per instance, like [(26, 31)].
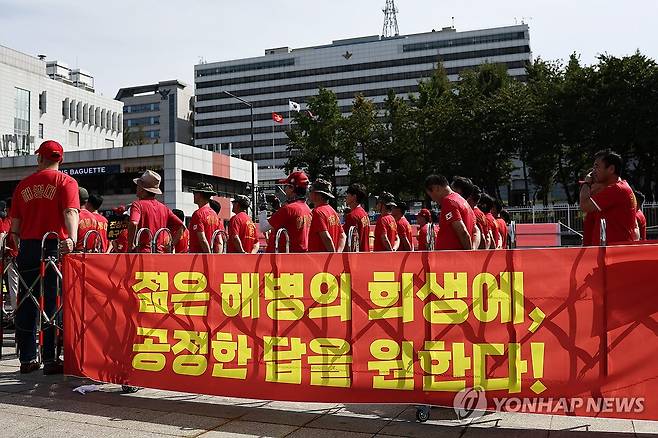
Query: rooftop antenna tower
[(390, 20)]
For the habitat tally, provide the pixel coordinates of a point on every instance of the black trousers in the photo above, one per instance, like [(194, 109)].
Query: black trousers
[(27, 314)]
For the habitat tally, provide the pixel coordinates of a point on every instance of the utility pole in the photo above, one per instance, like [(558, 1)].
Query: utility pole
[(390, 20)]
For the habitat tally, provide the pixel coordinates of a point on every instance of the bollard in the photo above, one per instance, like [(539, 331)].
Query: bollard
[(218, 237), (169, 248), (279, 233), (430, 237), (604, 233), (138, 235), (98, 243), (353, 242), (3, 251), (512, 234)]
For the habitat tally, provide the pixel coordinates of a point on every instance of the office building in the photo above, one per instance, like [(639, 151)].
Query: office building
[(157, 113), (369, 65)]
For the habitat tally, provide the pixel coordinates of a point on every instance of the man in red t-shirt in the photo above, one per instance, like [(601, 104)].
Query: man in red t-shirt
[(147, 212), (615, 202), (424, 219), (326, 233), (592, 222), (204, 222), (242, 236), (639, 216), (86, 224), (487, 205), (93, 204), (183, 245), (457, 219), (48, 200), (472, 193), (405, 231), (503, 221), (120, 244), (294, 217), (356, 197), (386, 228)]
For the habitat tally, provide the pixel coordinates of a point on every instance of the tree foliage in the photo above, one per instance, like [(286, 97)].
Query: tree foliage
[(487, 125)]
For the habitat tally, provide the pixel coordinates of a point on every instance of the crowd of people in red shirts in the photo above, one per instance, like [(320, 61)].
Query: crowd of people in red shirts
[(468, 219), (50, 201)]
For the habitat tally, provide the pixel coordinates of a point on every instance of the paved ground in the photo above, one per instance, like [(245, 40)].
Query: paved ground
[(45, 406)]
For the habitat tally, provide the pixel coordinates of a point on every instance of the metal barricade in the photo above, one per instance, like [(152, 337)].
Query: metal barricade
[(353, 241), (35, 294), (37, 299), (9, 284), (277, 237), (138, 236), (218, 237), (4, 270), (430, 236), (169, 248), (512, 234), (53, 263), (98, 243)]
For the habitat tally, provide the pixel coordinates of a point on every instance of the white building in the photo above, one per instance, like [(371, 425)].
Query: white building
[(110, 173), (369, 65), (40, 100)]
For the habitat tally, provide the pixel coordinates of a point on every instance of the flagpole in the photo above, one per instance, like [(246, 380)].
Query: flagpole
[(273, 156)]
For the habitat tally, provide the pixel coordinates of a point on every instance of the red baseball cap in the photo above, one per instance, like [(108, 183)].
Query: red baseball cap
[(51, 150), (296, 179), (426, 214)]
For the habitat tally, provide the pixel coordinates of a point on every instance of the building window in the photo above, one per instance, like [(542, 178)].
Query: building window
[(143, 121), (245, 67), (42, 102), (172, 117), (40, 130), (152, 134), (142, 108), (74, 138), (109, 143), (22, 112)]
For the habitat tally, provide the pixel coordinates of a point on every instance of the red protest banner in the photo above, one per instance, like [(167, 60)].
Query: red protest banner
[(545, 326)]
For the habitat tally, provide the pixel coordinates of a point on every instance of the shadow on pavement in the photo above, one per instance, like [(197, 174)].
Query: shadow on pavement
[(52, 397)]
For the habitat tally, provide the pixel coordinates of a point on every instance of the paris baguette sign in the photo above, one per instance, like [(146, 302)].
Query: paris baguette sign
[(93, 170)]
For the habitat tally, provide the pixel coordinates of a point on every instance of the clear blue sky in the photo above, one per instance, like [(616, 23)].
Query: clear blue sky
[(125, 43)]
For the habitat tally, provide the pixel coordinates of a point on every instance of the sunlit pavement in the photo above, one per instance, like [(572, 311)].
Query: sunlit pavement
[(35, 405)]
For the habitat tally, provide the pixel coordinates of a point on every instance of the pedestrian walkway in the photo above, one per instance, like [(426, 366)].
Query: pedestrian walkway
[(35, 405)]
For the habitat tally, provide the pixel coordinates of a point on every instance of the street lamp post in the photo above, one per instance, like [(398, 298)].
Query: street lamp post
[(253, 174)]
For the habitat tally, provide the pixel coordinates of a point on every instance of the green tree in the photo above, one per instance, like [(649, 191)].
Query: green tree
[(134, 136), (484, 139), (624, 104), (540, 150), (397, 156), (360, 139), (313, 137)]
